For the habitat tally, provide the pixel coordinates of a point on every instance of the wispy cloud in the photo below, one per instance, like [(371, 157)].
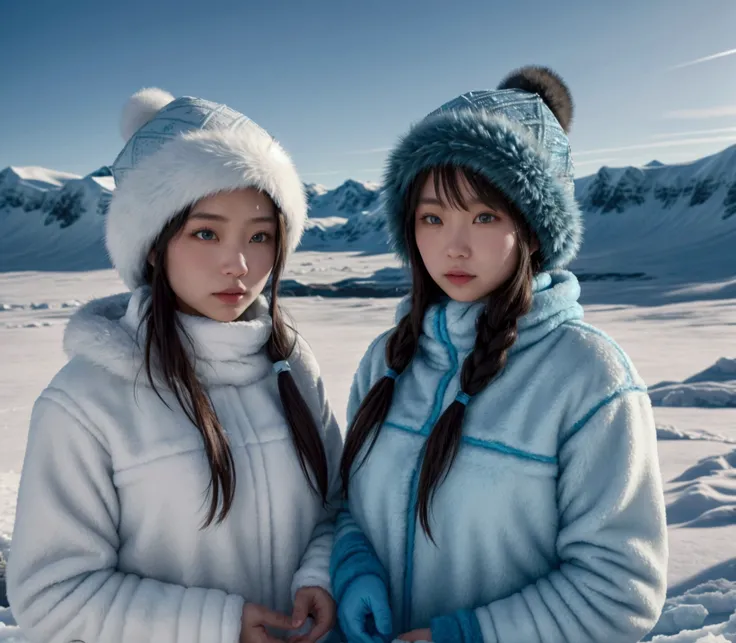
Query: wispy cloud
[(721, 130), (657, 145), (705, 59), (703, 112)]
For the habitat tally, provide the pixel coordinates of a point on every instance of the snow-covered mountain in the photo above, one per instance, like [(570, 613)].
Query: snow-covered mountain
[(348, 200), (658, 225), (667, 222), (658, 219), (53, 220), (670, 186), (365, 232)]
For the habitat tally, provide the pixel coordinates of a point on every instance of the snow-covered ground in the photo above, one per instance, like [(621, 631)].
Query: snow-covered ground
[(658, 274), (668, 343)]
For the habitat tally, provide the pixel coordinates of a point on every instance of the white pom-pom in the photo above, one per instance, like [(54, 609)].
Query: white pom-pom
[(141, 108)]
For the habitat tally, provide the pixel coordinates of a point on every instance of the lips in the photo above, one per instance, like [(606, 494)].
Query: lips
[(232, 291), (459, 277), (230, 296)]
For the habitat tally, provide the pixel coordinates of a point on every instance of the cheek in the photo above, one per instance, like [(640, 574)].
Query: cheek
[(183, 260), (260, 258), (504, 245), (510, 244)]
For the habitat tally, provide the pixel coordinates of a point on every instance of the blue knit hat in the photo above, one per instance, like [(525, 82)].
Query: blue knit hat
[(179, 151), (514, 136)]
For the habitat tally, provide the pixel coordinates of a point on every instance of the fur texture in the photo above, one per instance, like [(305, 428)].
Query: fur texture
[(141, 108), (549, 86), (187, 168), (508, 155), (109, 462), (554, 503), (105, 333)]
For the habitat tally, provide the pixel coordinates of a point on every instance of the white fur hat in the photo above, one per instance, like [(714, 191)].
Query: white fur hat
[(179, 151)]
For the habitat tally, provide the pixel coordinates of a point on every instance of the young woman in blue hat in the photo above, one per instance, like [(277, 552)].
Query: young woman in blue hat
[(182, 470), (501, 464)]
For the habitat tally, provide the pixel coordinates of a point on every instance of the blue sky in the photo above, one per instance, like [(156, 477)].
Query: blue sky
[(337, 81)]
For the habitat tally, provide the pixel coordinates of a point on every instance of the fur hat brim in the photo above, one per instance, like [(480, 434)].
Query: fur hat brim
[(505, 154), (188, 168)]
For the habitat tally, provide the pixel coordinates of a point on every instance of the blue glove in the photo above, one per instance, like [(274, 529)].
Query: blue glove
[(459, 627), (364, 612)]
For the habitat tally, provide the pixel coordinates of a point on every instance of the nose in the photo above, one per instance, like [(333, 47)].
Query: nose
[(235, 264), (458, 244)]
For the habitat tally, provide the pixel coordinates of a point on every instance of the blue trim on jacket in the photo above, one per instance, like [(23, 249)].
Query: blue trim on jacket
[(440, 323), (491, 445)]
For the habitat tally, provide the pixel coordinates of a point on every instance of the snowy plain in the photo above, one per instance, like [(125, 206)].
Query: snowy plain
[(668, 297), (671, 342)]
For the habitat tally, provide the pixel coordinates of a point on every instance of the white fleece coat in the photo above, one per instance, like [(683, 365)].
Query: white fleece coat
[(107, 546)]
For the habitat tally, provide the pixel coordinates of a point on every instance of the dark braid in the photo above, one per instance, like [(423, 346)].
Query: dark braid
[(496, 329), (496, 333), (281, 343), (372, 412), (165, 351)]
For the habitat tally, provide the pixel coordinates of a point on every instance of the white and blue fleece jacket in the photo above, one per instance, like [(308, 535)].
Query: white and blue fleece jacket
[(550, 526)]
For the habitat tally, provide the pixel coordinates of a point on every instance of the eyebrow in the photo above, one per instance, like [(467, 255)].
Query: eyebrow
[(435, 201), (207, 216)]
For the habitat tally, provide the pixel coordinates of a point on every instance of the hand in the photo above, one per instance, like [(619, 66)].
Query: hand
[(317, 603), (417, 635), (364, 611), (254, 621)]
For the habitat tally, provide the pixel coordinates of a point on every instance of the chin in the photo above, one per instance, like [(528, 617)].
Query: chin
[(229, 314), (460, 293), (224, 317), (212, 308), (217, 313), (465, 298)]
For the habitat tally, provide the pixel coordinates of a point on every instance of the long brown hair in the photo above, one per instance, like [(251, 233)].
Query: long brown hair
[(165, 338), (496, 333)]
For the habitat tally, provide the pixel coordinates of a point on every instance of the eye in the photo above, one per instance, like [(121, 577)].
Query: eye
[(431, 219), (260, 237), (486, 217), (205, 234)]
